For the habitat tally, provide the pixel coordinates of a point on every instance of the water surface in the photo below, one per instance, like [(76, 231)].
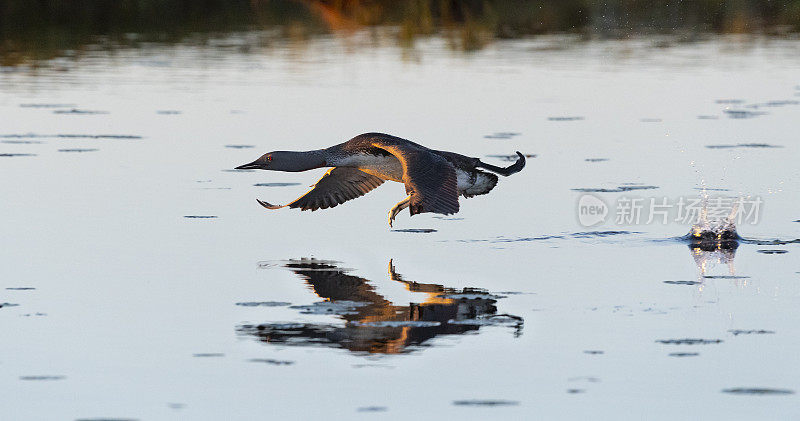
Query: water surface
[(142, 280)]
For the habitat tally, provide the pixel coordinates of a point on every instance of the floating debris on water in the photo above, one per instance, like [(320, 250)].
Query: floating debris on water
[(485, 402), (512, 157), (20, 288), (619, 189), (96, 136), (271, 361), (725, 277), (78, 150), (683, 354), (240, 146), (744, 145), (710, 189), (416, 230), (780, 103), (372, 409), (775, 242), (9, 155), (522, 239), (596, 159), (339, 307), (68, 136), (689, 341), (501, 135), (774, 251), (740, 114), (42, 378), (682, 282), (276, 184), (106, 419), (757, 391), (36, 105), (575, 118), (208, 354), (22, 142), (574, 391), (593, 234), (594, 352), (263, 304), (585, 234), (737, 332), (200, 216), (588, 379), (79, 111), (8, 305)]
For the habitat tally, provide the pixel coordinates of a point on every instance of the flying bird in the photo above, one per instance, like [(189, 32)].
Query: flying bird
[(433, 179)]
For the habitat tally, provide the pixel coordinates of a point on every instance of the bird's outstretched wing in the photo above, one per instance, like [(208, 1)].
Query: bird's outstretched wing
[(429, 178), (337, 186)]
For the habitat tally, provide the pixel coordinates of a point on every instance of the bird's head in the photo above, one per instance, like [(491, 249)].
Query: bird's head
[(286, 161)]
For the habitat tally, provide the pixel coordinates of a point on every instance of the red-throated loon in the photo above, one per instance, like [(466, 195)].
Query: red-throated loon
[(433, 179)]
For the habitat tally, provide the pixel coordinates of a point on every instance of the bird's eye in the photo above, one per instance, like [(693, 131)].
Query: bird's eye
[(269, 158)]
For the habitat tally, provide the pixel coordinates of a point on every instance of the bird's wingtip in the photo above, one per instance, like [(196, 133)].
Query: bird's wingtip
[(267, 205)]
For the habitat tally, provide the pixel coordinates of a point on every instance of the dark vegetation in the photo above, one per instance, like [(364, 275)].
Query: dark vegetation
[(36, 30)]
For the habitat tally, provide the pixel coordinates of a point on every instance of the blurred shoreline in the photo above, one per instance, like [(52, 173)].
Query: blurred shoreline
[(32, 33)]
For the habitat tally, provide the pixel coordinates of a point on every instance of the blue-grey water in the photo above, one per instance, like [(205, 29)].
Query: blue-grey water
[(139, 278)]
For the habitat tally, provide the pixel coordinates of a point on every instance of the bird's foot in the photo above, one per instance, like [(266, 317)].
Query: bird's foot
[(397, 208)]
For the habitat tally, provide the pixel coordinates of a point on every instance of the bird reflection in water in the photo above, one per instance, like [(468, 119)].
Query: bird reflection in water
[(375, 325), (706, 257)]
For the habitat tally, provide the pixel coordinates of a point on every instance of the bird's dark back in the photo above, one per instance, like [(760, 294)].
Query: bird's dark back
[(365, 143)]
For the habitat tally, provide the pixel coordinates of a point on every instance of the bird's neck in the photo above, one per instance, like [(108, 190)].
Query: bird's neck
[(306, 160)]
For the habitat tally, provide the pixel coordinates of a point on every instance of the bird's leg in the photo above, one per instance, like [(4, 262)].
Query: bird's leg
[(397, 208)]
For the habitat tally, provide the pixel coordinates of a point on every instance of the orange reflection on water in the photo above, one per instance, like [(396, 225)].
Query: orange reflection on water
[(375, 325)]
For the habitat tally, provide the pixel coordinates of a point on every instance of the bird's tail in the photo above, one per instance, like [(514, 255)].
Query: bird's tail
[(513, 168)]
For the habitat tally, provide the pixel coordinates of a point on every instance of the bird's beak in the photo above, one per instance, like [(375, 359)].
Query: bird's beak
[(255, 165)]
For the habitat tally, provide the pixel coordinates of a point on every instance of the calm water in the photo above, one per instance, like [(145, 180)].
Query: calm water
[(141, 280)]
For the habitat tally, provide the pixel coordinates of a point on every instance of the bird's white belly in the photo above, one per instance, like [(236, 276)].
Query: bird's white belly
[(464, 180), (471, 184)]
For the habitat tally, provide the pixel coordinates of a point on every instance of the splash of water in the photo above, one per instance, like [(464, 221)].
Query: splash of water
[(714, 241), (716, 233)]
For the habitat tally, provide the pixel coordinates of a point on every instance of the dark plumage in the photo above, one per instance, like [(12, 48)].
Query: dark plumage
[(337, 186), (433, 179)]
